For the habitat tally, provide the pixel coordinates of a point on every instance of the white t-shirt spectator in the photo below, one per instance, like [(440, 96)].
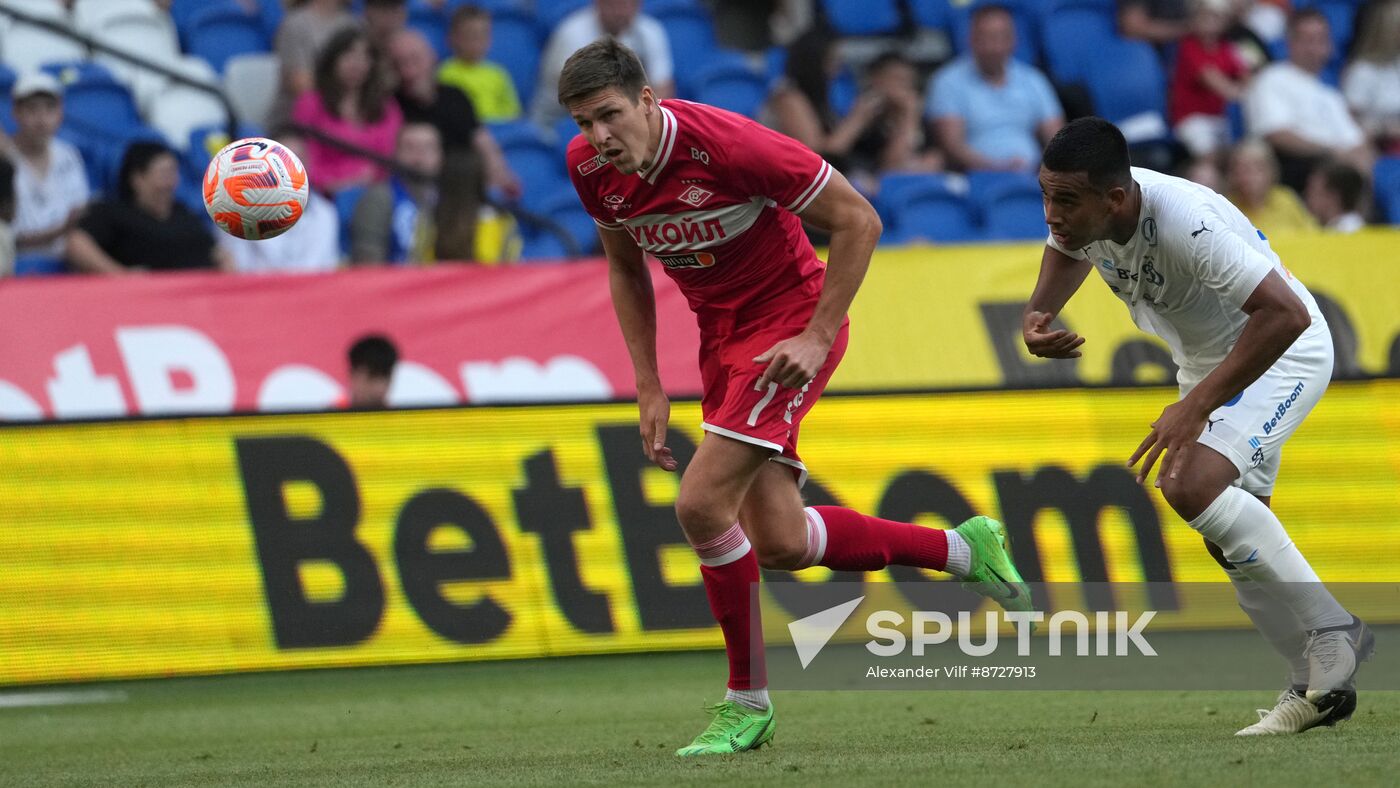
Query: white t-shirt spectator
[(1373, 91), (43, 202), (312, 245), (1284, 97), (646, 37)]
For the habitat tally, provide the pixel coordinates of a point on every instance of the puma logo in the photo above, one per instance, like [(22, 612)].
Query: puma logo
[(1204, 229)]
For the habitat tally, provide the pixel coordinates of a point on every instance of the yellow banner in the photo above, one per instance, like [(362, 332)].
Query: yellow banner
[(950, 317), (154, 548)]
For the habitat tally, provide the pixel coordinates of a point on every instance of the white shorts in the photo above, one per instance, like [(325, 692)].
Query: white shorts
[(1250, 429)]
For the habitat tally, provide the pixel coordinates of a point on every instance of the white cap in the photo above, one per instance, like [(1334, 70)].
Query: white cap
[(34, 82)]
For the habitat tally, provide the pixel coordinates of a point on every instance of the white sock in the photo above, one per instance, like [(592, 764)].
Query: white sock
[(1251, 537), (1276, 623), (756, 699), (959, 555)]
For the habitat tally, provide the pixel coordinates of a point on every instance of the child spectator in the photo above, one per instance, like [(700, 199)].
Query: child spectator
[(1334, 196), (1208, 74), (485, 83), (396, 222), (352, 102), (1371, 83)]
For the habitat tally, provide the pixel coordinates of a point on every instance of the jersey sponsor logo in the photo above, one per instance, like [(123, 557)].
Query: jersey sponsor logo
[(688, 231), (692, 260), (591, 165), (1149, 231), (700, 156), (1282, 408), (614, 199), (695, 195)]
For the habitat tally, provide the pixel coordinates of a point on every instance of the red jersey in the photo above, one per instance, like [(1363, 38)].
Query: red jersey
[(1189, 94), (717, 207)]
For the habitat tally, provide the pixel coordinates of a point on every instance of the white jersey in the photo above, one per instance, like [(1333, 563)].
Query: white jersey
[(1187, 271)]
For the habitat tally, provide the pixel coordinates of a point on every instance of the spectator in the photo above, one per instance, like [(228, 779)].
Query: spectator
[(485, 83), (1208, 74), (303, 34), (469, 147), (1155, 21), (385, 19), (145, 228), (50, 184), (1205, 171), (1255, 190), (1303, 118), (394, 221), (372, 360), (1334, 197), (620, 19), (881, 131), (313, 243), (352, 103), (1371, 83), (7, 217), (993, 112)]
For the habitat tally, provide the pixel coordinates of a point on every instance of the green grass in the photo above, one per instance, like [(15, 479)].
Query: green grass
[(617, 720)]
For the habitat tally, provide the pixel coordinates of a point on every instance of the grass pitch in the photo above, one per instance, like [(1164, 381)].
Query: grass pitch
[(617, 720)]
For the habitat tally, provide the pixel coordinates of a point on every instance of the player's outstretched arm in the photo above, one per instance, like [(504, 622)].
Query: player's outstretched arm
[(855, 230), (1060, 278), (635, 303)]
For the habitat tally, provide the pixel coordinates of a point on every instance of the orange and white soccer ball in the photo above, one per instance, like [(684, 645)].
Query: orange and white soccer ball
[(255, 188)]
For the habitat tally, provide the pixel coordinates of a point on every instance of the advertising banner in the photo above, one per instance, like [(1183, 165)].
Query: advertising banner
[(203, 545), (926, 318)]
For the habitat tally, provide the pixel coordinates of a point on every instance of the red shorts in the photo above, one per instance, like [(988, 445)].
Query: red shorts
[(736, 406)]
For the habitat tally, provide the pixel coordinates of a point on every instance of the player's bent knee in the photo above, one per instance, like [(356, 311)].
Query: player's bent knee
[(1217, 554), (1187, 497), (781, 555)]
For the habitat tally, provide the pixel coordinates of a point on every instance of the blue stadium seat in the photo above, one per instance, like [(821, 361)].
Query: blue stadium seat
[(931, 13), (1071, 33), (270, 13), (565, 129), (512, 131), (737, 90), (219, 33), (565, 208), (1027, 29), (539, 167), (691, 32), (936, 216), (1134, 85), (433, 25), (541, 246), (345, 201), (182, 12), (1015, 215), (926, 206), (93, 99), (863, 17), (843, 92), (1387, 180), (7, 83), (516, 44), (551, 12)]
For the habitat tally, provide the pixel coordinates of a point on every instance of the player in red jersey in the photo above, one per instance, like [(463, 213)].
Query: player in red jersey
[(716, 198)]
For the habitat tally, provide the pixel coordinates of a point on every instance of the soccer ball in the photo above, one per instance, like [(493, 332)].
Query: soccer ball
[(255, 188)]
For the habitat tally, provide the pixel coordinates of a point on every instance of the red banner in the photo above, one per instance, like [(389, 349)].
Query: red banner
[(81, 347)]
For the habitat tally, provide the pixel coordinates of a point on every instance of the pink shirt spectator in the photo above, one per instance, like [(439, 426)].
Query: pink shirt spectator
[(332, 169)]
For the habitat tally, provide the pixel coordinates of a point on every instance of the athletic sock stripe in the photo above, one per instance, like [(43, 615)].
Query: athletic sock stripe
[(725, 548), (816, 539)]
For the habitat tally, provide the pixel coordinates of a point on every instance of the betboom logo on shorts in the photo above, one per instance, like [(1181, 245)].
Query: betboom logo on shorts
[(1282, 409)]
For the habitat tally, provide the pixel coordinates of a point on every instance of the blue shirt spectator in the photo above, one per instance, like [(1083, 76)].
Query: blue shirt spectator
[(991, 111)]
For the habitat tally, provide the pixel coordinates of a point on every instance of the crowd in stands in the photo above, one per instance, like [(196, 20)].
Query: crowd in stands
[(431, 130)]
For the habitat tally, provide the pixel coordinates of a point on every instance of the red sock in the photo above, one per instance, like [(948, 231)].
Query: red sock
[(729, 568), (845, 539)]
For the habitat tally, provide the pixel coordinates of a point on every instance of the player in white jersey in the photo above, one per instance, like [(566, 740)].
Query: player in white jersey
[(1254, 355)]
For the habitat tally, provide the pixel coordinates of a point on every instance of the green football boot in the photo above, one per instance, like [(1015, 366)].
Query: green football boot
[(993, 575), (735, 728)]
